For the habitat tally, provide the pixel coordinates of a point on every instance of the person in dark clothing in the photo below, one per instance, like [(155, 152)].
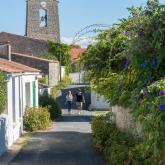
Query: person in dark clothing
[(79, 100)]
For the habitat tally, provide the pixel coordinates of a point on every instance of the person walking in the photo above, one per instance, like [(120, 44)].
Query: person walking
[(79, 100), (69, 99)]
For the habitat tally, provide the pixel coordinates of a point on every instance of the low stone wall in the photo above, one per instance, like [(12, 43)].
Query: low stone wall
[(31, 61), (25, 45), (124, 120), (48, 67)]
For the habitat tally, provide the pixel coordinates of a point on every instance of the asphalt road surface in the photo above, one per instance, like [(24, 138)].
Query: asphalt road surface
[(68, 142)]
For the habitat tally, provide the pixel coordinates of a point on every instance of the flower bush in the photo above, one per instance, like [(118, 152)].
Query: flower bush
[(126, 66), (36, 119)]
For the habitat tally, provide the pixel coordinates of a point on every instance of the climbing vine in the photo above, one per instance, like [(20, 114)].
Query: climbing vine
[(60, 52), (126, 66)]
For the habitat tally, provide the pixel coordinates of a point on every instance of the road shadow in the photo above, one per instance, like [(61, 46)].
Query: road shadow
[(59, 148), (75, 118)]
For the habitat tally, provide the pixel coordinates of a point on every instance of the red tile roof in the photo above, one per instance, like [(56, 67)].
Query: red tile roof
[(76, 53), (14, 67)]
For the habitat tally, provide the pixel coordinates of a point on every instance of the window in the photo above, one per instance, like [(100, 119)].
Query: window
[(43, 18)]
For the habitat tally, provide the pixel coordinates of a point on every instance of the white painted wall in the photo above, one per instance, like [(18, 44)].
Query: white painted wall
[(62, 72), (30, 79), (77, 77), (45, 90), (11, 123), (124, 120), (14, 121), (98, 102)]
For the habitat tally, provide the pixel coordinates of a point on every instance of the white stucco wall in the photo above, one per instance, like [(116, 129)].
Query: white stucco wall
[(14, 126), (124, 120), (11, 122), (77, 77), (62, 72), (30, 79), (98, 102)]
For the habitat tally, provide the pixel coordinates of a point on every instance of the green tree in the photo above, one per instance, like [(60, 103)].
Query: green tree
[(61, 52)]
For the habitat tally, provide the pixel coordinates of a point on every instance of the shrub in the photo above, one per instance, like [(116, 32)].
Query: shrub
[(101, 131), (116, 145), (36, 119), (51, 104)]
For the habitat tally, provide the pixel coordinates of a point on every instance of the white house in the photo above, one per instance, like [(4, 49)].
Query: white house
[(21, 91)]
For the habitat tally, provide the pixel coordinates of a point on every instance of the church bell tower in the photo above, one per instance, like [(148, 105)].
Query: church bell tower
[(42, 20)]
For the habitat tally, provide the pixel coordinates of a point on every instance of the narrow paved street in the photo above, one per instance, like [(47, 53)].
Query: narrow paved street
[(67, 143)]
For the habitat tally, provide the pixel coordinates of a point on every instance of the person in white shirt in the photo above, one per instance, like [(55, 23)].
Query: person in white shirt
[(69, 99)]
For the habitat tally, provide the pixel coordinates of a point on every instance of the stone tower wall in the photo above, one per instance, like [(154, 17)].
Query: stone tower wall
[(33, 29)]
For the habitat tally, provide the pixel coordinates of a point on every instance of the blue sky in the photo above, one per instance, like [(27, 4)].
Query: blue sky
[(74, 14)]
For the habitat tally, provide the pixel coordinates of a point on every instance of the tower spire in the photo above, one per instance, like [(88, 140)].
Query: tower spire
[(42, 20)]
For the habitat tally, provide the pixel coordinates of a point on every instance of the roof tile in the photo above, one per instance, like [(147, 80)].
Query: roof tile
[(14, 67), (76, 53)]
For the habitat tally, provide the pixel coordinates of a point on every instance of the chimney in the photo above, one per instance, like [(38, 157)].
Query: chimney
[(9, 51), (5, 50)]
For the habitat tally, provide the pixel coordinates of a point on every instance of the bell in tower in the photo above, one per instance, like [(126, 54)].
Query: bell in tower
[(42, 20)]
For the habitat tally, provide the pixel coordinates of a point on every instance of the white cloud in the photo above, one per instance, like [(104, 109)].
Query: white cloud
[(82, 41)]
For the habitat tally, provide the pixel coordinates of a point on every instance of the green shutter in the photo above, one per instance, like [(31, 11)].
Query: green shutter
[(34, 94)]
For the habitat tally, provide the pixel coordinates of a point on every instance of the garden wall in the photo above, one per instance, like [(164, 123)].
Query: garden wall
[(124, 120)]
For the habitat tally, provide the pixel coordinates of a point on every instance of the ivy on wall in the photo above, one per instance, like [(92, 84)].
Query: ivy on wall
[(60, 52)]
